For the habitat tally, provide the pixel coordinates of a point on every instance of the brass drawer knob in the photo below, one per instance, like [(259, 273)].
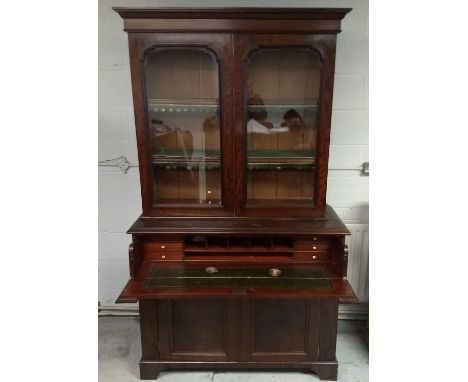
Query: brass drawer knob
[(314, 257), (274, 272), (211, 270), (163, 247), (163, 256), (315, 238), (314, 247)]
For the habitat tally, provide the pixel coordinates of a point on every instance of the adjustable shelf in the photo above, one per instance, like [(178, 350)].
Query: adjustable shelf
[(284, 104), (175, 159), (178, 106)]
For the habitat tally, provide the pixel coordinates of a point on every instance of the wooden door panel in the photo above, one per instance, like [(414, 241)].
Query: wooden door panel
[(206, 317), (285, 333), (280, 329), (200, 329)]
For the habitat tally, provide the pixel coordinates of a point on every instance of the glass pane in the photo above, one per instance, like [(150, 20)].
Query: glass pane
[(183, 115), (282, 96)]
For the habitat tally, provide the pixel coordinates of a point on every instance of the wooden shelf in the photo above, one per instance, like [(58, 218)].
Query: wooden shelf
[(203, 105), (179, 106), (172, 159), (285, 104)]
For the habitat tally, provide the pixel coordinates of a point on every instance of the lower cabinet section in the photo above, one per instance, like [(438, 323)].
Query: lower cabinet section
[(239, 334)]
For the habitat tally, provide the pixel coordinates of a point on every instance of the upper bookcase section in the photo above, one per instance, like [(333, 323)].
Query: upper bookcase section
[(262, 20), (233, 109)]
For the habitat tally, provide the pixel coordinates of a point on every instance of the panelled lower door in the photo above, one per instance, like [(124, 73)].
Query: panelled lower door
[(280, 330), (197, 329)]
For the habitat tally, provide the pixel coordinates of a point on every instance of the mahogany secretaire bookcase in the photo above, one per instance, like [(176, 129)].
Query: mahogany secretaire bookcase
[(236, 261)]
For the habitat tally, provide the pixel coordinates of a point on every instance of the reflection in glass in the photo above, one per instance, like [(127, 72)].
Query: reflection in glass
[(282, 93), (182, 95)]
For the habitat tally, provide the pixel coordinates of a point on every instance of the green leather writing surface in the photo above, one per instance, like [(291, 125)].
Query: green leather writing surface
[(307, 278)]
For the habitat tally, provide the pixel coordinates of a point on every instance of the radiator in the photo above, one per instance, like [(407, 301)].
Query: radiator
[(358, 270)]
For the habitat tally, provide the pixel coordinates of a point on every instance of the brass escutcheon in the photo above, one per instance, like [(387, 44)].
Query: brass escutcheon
[(274, 272), (211, 269)]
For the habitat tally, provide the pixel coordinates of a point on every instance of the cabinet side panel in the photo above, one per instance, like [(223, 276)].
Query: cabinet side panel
[(143, 139), (149, 329), (324, 118), (313, 316), (328, 329), (135, 255)]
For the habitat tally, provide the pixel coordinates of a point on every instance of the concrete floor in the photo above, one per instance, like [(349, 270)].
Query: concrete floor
[(119, 354)]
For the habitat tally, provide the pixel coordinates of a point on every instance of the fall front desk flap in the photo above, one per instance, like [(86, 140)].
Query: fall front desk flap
[(172, 281)]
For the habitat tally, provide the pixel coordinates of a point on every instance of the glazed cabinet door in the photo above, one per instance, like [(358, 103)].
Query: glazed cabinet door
[(282, 113), (197, 329), (182, 98)]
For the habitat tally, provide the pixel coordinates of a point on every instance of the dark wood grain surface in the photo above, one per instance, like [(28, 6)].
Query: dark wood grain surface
[(255, 13), (330, 224), (242, 20), (236, 327)]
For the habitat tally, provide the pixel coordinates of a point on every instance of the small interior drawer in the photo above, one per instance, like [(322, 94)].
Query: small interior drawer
[(164, 256), (311, 256), (312, 246), (163, 246), (319, 239)]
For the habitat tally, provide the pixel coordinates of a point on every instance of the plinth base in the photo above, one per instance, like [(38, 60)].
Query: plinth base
[(324, 370)]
